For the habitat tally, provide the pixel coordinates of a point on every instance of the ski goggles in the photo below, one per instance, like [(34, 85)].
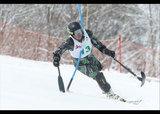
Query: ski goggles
[(79, 31)]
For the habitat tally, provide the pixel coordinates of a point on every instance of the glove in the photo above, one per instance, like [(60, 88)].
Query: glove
[(109, 53), (112, 54), (56, 60)]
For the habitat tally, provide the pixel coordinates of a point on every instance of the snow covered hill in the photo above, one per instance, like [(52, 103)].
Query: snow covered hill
[(33, 85)]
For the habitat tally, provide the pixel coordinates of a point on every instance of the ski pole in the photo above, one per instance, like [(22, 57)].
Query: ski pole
[(60, 82), (129, 70)]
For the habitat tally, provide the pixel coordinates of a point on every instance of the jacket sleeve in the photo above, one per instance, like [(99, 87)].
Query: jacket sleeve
[(66, 45), (96, 43)]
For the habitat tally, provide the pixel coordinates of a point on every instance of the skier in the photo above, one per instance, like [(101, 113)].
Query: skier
[(89, 65)]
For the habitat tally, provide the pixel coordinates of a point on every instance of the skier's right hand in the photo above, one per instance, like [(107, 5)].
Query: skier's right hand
[(56, 60)]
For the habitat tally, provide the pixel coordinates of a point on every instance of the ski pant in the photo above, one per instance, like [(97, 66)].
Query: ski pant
[(91, 67), (103, 84)]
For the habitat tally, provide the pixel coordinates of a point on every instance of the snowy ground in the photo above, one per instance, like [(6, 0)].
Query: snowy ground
[(33, 85)]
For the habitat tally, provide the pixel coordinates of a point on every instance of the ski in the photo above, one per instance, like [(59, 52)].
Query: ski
[(134, 102), (112, 95)]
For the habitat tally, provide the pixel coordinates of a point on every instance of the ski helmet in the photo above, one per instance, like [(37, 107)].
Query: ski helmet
[(73, 26)]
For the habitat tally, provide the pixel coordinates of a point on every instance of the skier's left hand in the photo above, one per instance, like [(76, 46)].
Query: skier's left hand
[(112, 54), (109, 53)]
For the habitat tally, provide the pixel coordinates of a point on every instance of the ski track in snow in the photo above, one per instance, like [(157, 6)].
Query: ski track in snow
[(33, 85)]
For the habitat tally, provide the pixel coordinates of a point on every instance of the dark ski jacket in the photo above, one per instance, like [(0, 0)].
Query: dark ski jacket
[(69, 45)]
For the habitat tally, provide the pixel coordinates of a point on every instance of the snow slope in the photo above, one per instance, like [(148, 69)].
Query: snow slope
[(33, 85)]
